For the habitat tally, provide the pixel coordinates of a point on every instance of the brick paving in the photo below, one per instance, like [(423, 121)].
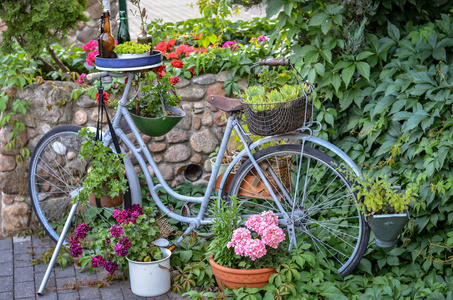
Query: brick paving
[(19, 279)]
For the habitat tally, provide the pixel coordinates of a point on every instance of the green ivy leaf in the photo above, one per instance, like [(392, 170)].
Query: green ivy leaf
[(347, 74), (364, 69)]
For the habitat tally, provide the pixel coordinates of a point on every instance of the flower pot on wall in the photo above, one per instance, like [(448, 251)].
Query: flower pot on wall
[(387, 228), (235, 278), (150, 279)]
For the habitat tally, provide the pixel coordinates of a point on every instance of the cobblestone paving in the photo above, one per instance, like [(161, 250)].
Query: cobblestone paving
[(19, 279)]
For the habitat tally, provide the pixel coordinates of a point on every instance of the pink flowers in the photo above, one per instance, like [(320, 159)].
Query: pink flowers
[(266, 225), (232, 44), (90, 46), (82, 77)]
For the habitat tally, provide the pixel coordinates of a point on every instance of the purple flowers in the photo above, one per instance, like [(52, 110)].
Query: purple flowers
[(97, 261), (80, 233), (128, 215), (75, 249), (113, 244), (116, 230), (110, 266)]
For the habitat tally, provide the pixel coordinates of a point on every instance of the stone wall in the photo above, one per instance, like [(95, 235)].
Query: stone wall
[(190, 142)]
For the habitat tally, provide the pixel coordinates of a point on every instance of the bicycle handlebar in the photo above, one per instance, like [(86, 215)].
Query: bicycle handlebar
[(94, 76), (274, 62)]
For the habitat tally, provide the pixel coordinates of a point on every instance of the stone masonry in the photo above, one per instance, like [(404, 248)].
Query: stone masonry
[(190, 142)]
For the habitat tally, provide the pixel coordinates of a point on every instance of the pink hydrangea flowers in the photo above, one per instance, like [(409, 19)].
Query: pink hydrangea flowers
[(266, 225)]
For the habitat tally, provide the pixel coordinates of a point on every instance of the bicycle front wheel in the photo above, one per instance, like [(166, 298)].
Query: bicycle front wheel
[(55, 171), (316, 195)]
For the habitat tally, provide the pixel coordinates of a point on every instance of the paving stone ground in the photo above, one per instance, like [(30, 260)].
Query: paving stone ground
[(19, 279)]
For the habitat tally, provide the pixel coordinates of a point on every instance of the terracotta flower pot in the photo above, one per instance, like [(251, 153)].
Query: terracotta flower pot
[(235, 278), (106, 201)]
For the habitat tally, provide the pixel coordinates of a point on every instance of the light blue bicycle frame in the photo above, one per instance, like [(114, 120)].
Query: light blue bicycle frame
[(195, 222), (233, 123)]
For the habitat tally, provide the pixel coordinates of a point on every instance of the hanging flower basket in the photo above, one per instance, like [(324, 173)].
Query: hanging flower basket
[(161, 125)]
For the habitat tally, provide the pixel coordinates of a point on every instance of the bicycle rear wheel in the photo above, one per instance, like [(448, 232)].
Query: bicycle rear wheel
[(313, 190), (55, 171)]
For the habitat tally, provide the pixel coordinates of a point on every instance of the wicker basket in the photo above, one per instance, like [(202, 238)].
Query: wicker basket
[(267, 119)]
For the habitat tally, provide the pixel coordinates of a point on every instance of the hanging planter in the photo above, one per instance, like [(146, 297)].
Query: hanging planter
[(385, 207), (150, 279), (387, 228), (161, 125), (235, 278)]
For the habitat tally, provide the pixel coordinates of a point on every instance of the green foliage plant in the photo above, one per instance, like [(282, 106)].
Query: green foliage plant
[(378, 197), (131, 47), (36, 25), (153, 93), (106, 169)]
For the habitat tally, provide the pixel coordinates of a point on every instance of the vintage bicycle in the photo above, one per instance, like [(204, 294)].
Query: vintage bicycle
[(300, 177)]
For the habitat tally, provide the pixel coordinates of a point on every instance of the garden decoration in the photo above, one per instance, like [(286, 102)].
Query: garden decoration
[(239, 256), (134, 243), (226, 160), (279, 105), (385, 208), (105, 182), (131, 49), (153, 106), (143, 37), (316, 219)]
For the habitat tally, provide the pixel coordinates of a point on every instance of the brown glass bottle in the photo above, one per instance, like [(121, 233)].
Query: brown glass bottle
[(107, 42)]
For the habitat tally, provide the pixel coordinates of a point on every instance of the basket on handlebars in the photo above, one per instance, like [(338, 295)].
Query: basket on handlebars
[(266, 117)]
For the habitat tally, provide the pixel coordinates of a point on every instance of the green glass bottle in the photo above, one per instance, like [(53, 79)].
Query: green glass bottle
[(123, 29)]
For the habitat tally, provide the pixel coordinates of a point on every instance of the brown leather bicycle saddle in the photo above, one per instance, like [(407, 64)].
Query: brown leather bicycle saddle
[(224, 103)]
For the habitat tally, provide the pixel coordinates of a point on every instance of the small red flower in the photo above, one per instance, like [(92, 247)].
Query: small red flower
[(171, 43), (105, 97), (172, 55), (162, 46), (174, 80), (125, 80), (177, 64)]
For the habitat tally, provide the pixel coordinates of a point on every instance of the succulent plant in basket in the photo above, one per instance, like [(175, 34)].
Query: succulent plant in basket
[(385, 207)]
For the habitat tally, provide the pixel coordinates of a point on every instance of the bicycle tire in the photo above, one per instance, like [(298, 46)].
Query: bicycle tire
[(334, 226), (54, 172)]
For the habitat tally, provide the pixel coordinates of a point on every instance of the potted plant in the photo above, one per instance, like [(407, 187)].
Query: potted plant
[(279, 105), (245, 256), (106, 178), (153, 109), (385, 208), (226, 160), (130, 244), (131, 49)]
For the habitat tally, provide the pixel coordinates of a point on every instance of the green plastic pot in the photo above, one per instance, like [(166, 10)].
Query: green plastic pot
[(158, 126)]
